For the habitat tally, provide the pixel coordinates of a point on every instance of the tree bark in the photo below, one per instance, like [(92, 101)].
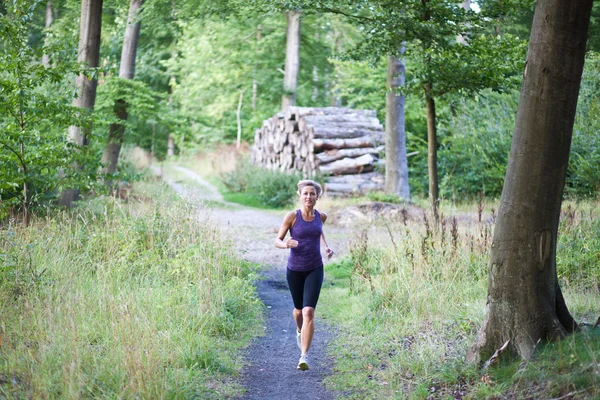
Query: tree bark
[(89, 53), (170, 146), (364, 163), (292, 59), (466, 5), (524, 303), (254, 81), (49, 20), (116, 131), (239, 120), (334, 155), (432, 151), (396, 166)]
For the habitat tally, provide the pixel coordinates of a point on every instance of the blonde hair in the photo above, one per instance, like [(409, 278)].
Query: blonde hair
[(307, 182)]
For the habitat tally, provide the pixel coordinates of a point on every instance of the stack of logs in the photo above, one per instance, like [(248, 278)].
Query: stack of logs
[(340, 143)]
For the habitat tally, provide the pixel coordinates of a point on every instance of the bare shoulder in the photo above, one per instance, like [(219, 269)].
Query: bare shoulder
[(289, 218), (323, 216)]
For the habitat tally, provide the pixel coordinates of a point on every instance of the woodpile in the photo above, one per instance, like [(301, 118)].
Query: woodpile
[(341, 144)]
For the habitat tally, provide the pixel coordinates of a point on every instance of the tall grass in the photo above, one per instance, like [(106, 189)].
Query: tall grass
[(114, 300), (410, 298)]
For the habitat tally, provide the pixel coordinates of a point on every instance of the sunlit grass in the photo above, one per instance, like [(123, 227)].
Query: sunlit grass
[(409, 300), (114, 300)]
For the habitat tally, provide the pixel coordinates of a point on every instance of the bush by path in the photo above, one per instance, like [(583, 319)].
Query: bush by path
[(115, 300)]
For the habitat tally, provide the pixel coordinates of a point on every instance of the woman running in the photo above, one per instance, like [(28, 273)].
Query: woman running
[(305, 265)]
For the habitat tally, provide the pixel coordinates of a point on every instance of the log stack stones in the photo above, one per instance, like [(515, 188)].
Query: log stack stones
[(340, 143)]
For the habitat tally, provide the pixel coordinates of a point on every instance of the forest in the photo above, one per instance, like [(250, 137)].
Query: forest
[(149, 150)]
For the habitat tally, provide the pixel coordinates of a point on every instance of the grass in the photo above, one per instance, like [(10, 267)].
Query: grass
[(143, 299), (408, 302)]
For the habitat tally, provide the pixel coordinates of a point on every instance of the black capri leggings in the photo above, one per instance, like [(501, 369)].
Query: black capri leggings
[(305, 287)]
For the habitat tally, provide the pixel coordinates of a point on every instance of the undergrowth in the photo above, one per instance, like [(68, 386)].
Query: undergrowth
[(115, 300), (409, 300)]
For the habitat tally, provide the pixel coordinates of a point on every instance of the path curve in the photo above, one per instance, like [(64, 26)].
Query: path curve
[(270, 370)]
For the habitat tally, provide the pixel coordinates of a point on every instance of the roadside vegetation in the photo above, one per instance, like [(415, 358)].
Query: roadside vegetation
[(115, 299), (409, 298)]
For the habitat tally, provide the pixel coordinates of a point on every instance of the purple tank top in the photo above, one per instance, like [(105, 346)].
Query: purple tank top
[(307, 255)]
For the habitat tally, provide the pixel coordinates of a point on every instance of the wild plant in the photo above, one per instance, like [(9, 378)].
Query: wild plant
[(360, 258), (138, 300)]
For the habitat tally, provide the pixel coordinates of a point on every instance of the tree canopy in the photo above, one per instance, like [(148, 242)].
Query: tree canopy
[(197, 58)]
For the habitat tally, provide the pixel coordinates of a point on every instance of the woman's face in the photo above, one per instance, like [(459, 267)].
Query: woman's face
[(308, 195)]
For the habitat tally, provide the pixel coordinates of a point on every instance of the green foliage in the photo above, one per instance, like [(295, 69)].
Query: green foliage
[(409, 300), (271, 189), (138, 300), (384, 197), (562, 367), (35, 112), (221, 60), (578, 248), (475, 144), (583, 174), (361, 85)]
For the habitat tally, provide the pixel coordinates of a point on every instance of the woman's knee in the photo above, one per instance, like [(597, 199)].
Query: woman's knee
[(308, 312)]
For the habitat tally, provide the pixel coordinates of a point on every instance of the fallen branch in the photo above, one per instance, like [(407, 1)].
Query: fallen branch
[(568, 395), (496, 355)]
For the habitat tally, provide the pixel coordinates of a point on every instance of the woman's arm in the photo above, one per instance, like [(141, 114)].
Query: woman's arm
[(328, 251), (288, 222)]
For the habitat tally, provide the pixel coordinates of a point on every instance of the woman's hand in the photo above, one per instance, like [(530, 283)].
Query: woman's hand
[(291, 243), (329, 253)]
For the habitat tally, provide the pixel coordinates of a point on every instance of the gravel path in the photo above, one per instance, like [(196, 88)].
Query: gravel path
[(270, 370)]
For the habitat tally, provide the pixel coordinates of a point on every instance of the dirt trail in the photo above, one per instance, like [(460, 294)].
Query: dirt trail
[(270, 370)]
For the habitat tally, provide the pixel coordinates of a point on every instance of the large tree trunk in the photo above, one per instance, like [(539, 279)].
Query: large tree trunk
[(292, 59), (49, 19), (432, 151), (127, 71), (524, 303), (396, 166), (89, 53)]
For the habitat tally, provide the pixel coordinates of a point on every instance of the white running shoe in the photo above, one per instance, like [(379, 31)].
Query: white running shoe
[(303, 362), (299, 339)]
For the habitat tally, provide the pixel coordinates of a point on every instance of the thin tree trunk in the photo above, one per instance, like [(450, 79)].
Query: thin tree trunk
[(170, 146), (239, 120), (524, 303), (466, 5), (116, 131), (49, 19), (292, 59), (396, 166), (153, 141), (432, 151), (89, 53), (26, 214), (254, 81)]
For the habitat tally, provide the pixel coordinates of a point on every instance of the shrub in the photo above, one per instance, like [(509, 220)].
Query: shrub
[(578, 249), (583, 174), (113, 300), (272, 188)]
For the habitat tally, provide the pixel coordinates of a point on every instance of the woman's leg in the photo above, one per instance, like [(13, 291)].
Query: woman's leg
[(298, 318), (312, 289), (295, 281), (308, 328)]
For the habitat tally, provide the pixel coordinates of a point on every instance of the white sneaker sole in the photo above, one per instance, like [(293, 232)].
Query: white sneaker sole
[(303, 366)]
